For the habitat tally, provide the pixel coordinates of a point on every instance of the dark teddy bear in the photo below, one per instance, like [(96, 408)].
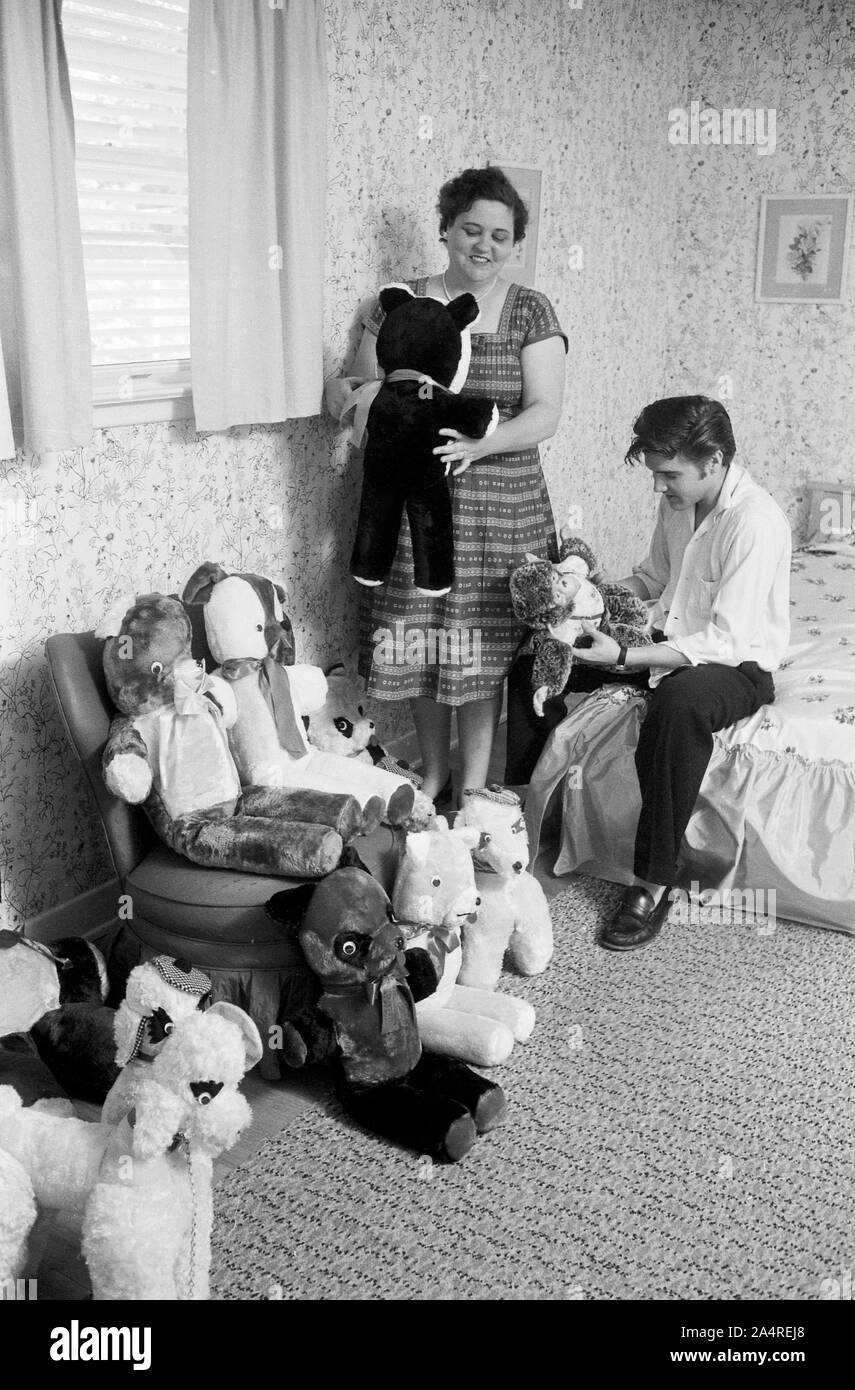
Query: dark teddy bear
[(365, 1022), (424, 352), (555, 598), (169, 751)]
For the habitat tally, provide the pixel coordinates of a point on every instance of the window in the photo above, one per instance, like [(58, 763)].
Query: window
[(127, 64)]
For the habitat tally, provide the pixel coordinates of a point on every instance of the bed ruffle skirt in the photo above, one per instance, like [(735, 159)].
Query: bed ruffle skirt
[(764, 822)]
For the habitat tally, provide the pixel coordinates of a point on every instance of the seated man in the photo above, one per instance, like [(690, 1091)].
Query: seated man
[(719, 570)]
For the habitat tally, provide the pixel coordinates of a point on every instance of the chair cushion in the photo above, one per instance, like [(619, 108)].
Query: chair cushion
[(183, 899)]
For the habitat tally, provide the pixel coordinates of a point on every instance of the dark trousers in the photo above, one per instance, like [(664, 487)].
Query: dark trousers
[(527, 733), (674, 747)]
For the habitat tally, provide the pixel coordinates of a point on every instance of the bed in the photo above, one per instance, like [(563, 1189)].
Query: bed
[(776, 811)]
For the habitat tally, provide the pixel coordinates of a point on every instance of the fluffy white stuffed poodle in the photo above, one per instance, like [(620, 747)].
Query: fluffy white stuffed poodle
[(143, 1185)]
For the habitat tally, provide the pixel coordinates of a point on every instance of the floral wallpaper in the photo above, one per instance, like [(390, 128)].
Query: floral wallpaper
[(785, 370), (647, 250)]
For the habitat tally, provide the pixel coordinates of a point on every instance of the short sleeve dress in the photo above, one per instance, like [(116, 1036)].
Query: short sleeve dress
[(460, 647)]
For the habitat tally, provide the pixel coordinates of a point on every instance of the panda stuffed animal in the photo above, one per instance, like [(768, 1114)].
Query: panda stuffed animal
[(423, 348)]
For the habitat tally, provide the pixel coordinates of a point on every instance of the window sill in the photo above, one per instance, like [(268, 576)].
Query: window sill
[(112, 414), (137, 393)]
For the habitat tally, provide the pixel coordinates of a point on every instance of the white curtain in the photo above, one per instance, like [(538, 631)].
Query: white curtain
[(44, 320), (7, 439), (256, 127)]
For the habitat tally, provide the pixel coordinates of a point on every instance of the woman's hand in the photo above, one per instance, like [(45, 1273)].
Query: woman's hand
[(463, 450), (604, 652)]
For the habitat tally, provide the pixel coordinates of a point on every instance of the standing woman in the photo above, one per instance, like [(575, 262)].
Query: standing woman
[(500, 504)]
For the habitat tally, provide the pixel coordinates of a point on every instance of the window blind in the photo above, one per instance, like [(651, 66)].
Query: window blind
[(127, 64)]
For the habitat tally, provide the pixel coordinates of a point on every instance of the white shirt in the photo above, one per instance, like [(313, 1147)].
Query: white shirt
[(722, 592)]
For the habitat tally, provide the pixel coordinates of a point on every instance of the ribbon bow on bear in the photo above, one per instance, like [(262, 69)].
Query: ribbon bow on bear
[(276, 690), (194, 698), (385, 991), (357, 393)]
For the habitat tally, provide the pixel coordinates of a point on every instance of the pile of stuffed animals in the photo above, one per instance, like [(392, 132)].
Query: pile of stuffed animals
[(244, 758), (391, 1016), (221, 761)]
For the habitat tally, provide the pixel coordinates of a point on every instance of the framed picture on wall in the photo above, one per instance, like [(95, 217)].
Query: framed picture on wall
[(802, 248), (522, 265)]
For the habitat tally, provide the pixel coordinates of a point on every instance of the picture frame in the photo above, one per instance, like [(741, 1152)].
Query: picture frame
[(803, 247), (521, 266)]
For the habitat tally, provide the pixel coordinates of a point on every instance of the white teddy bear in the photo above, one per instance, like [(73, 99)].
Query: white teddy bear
[(513, 919)]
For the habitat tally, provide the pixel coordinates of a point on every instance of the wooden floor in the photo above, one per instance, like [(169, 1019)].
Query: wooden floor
[(55, 1259)]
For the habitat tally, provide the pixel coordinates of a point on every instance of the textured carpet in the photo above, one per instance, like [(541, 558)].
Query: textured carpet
[(680, 1127)]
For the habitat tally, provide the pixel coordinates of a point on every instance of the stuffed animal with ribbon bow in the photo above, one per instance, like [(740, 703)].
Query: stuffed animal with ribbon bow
[(169, 751), (554, 599), (423, 348), (250, 636), (436, 900), (365, 1022)]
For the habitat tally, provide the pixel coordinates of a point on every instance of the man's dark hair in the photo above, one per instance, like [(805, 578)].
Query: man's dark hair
[(694, 426), (492, 184)]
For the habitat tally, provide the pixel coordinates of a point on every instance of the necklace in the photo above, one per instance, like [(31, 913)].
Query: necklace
[(477, 297)]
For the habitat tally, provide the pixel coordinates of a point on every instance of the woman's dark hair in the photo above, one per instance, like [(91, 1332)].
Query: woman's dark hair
[(492, 184), (694, 426)]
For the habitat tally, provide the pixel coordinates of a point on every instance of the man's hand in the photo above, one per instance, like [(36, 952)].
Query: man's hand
[(604, 652)]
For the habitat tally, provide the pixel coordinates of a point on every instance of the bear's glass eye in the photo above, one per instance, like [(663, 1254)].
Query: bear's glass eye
[(351, 945), (399, 942), (259, 627), (341, 725), (157, 668), (436, 882), (486, 838)]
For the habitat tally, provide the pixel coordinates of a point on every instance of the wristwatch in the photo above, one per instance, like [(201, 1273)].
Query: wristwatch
[(621, 661)]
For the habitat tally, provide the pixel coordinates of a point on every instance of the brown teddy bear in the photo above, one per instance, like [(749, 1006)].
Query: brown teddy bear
[(169, 750)]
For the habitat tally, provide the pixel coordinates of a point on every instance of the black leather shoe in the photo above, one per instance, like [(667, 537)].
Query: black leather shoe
[(637, 920)]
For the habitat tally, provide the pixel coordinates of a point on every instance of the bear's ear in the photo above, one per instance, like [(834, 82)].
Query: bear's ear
[(111, 623), (200, 585), (393, 296), (463, 310)]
